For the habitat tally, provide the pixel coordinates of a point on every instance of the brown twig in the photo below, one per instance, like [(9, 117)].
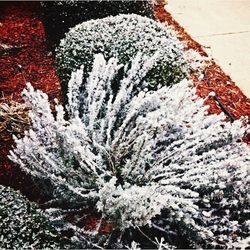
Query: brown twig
[(224, 109)]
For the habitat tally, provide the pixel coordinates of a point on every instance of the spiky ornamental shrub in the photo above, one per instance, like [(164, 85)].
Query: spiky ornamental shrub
[(22, 225), (59, 16), (148, 160), (122, 37)]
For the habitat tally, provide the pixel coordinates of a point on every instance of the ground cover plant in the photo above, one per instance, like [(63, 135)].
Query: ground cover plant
[(59, 16), (150, 162), (23, 225), (122, 37)]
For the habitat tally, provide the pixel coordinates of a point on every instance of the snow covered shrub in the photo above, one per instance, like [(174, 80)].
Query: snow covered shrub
[(151, 162), (227, 212), (22, 225), (59, 16), (122, 36)]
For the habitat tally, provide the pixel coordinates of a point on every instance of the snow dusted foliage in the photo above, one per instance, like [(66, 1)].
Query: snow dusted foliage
[(122, 37), (59, 16), (22, 225), (146, 160)]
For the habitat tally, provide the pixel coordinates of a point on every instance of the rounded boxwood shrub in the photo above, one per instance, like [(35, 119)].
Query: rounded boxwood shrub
[(22, 225), (59, 16), (122, 36)]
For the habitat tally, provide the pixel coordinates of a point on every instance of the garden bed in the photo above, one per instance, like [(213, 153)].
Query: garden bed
[(24, 57)]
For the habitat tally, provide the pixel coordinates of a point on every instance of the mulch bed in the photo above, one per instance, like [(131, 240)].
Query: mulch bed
[(228, 97), (24, 56)]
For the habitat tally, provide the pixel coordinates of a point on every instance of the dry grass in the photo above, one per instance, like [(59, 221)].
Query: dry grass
[(13, 117)]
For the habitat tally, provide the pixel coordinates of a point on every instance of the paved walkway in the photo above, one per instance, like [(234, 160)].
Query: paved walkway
[(223, 28)]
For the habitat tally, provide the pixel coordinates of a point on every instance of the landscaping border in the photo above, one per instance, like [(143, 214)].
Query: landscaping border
[(227, 98)]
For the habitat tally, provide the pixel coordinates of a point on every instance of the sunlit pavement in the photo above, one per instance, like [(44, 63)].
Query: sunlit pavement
[(223, 28)]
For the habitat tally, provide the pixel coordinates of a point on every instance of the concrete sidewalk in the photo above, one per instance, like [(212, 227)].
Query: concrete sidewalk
[(223, 28)]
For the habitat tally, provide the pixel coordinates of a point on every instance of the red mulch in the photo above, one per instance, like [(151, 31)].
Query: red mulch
[(229, 98), (24, 57)]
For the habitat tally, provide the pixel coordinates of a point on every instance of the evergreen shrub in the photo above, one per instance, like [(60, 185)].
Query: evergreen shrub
[(59, 16), (122, 37), (151, 163), (23, 225)]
